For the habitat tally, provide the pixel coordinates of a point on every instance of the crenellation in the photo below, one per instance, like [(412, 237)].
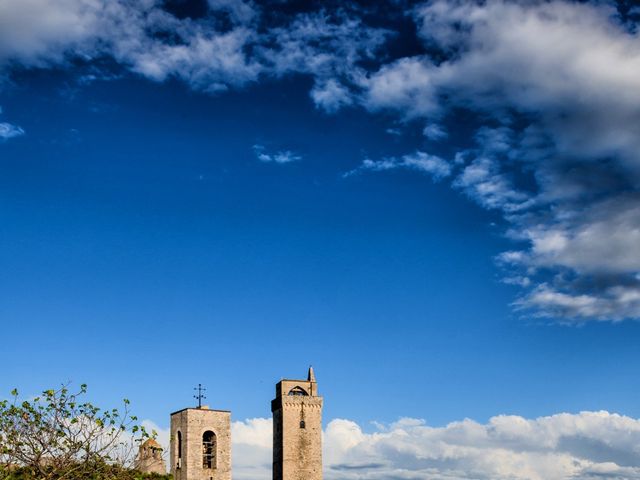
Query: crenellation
[(297, 430)]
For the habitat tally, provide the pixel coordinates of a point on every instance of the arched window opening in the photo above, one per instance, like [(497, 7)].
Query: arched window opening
[(208, 449), (179, 462), (298, 391), (302, 424)]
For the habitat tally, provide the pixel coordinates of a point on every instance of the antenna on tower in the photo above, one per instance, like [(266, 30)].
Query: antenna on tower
[(200, 389)]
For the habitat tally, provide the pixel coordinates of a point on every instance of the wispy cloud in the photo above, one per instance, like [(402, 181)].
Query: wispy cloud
[(433, 131), (419, 161), (281, 157), (8, 130), (482, 181)]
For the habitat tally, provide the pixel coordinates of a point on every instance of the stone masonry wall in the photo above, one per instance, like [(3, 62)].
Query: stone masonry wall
[(297, 448), (192, 423)]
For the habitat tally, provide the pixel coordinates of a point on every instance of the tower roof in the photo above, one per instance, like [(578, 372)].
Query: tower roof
[(311, 377)]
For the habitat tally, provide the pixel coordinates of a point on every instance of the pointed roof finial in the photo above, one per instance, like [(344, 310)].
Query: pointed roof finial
[(311, 377)]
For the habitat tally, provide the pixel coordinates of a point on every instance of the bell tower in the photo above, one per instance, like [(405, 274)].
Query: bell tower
[(201, 443), (297, 430)]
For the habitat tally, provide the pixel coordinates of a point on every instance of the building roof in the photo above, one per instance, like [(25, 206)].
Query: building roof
[(151, 443), (201, 409)]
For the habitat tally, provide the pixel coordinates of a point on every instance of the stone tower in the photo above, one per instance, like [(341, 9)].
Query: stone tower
[(201, 444), (149, 458), (297, 430)]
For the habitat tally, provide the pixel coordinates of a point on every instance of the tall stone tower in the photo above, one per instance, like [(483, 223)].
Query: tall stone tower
[(201, 444), (297, 430)]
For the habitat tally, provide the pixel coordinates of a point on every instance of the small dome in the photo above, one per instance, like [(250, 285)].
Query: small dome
[(151, 443)]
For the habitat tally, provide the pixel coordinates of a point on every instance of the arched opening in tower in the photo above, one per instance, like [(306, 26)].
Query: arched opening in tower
[(208, 450), (298, 391)]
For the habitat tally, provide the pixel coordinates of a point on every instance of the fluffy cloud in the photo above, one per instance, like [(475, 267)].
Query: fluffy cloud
[(141, 36), (252, 449), (587, 445), (407, 86), (330, 95), (584, 445), (557, 85), (231, 46), (38, 32)]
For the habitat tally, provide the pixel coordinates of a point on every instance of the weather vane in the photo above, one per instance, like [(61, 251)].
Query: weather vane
[(200, 389)]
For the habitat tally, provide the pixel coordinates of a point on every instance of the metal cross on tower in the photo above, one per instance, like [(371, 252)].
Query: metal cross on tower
[(200, 389)]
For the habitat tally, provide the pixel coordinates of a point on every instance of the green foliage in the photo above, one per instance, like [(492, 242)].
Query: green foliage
[(58, 436), (112, 472)]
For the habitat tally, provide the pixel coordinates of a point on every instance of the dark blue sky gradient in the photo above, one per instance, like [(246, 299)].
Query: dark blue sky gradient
[(145, 249)]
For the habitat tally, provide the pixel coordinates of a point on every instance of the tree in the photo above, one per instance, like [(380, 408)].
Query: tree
[(59, 436)]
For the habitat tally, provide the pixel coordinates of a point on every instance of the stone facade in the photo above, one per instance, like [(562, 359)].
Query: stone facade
[(149, 459), (297, 430), (201, 444)]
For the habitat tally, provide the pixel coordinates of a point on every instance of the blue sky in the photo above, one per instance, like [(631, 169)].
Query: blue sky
[(225, 193)]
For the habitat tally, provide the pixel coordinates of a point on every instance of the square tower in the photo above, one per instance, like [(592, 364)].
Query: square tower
[(201, 444), (297, 430)]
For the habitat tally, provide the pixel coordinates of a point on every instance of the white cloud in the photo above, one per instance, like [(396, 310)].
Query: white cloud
[(616, 303), (603, 237), (484, 183), (252, 449), (146, 39), (323, 45), (8, 131), (330, 95), (433, 131), (419, 161), (555, 82), (38, 32), (432, 164), (139, 35), (281, 157), (557, 85), (405, 85), (586, 445)]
